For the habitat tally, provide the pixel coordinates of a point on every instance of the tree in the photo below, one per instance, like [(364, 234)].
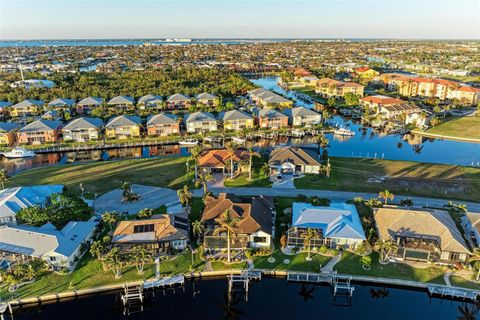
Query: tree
[(385, 248), (195, 154), (144, 213), (99, 248), (386, 195), (231, 152), (115, 262), (184, 196), (4, 177), (475, 258), (203, 179), (331, 102), (110, 218), (322, 143), (197, 229), (308, 235), (227, 223), (140, 256), (250, 163)]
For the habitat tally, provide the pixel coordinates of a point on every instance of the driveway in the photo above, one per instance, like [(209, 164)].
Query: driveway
[(335, 196), (285, 183)]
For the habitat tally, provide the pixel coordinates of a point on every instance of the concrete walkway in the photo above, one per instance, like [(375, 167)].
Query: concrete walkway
[(335, 196), (446, 278), (329, 266)]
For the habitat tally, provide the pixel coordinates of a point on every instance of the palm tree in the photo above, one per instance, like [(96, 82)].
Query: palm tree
[(386, 195), (307, 236), (229, 224), (231, 152), (140, 257), (195, 154), (30, 273), (4, 177), (475, 258), (250, 164), (184, 196), (110, 218), (385, 248), (197, 229), (322, 142), (114, 261), (203, 179)]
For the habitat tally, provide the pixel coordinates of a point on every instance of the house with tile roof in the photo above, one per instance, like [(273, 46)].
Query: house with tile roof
[(85, 106), (158, 234), (327, 88), (235, 120), (26, 108), (336, 225), (389, 107), (14, 199), (163, 125), (200, 122), (254, 221), (218, 160), (59, 248), (303, 117), (82, 129), (40, 132), (123, 127), (422, 234), (294, 160), (7, 133)]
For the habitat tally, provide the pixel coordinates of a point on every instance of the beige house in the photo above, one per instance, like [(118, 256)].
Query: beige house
[(422, 234), (82, 129), (337, 89), (293, 160)]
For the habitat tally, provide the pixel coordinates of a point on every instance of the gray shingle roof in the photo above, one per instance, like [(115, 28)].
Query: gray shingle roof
[(206, 95), (234, 115), (150, 98), (178, 97), (269, 113), (61, 102), (90, 101), (41, 124), (162, 118), (200, 116), (28, 102), (295, 155), (121, 100), (301, 112), (124, 120), (84, 123)]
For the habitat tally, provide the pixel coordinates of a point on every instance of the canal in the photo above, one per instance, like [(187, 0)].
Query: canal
[(267, 299)]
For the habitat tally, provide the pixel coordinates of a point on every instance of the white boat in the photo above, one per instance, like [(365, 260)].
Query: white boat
[(238, 140), (188, 142), (19, 153), (343, 132)]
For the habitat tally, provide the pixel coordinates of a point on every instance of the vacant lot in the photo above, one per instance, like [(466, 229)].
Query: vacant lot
[(465, 127), (400, 177)]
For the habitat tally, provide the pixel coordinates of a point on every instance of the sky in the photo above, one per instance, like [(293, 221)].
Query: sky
[(92, 19)]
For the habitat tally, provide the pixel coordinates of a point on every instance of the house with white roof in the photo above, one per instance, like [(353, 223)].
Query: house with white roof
[(82, 129), (14, 199), (303, 117), (59, 248), (200, 122), (336, 225)]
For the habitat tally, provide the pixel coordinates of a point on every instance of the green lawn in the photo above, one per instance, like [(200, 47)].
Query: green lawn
[(219, 265), (101, 177), (461, 282), (242, 181), (404, 177), (350, 264), (297, 262), (464, 127)]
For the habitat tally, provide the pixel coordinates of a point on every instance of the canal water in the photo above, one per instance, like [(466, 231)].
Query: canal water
[(267, 299)]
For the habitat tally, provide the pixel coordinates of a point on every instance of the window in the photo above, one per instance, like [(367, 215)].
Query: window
[(454, 256), (259, 239), (53, 259), (143, 228)]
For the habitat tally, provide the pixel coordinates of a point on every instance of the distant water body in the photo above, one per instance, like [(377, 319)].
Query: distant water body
[(137, 42)]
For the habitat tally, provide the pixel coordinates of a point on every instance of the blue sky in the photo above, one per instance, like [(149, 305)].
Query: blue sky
[(61, 19)]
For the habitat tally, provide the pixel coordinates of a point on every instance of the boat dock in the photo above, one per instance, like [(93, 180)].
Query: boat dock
[(132, 299), (164, 282), (449, 292)]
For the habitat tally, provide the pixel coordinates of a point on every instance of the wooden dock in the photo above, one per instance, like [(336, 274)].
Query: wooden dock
[(309, 277), (165, 282), (449, 292)]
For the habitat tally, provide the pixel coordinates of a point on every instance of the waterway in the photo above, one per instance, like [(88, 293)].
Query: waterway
[(267, 299)]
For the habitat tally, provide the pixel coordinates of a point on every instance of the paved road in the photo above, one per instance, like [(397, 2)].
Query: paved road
[(336, 196)]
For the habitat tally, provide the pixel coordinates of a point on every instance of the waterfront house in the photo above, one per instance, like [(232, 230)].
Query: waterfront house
[(61, 103), (303, 117), (26, 108), (270, 119), (121, 103), (235, 120), (82, 129), (40, 132), (157, 234), (85, 106), (388, 107), (150, 101), (465, 95), (420, 119), (269, 99), (294, 160), (422, 234), (471, 226), (207, 99), (14, 199), (337, 89), (163, 125), (254, 226), (218, 160), (366, 73), (7, 133), (200, 122), (179, 101), (336, 225), (58, 248), (123, 127)]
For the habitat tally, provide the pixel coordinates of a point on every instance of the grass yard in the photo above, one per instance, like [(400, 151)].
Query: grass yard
[(464, 127), (403, 177), (101, 177), (462, 282), (259, 178), (219, 265), (351, 264), (297, 262)]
